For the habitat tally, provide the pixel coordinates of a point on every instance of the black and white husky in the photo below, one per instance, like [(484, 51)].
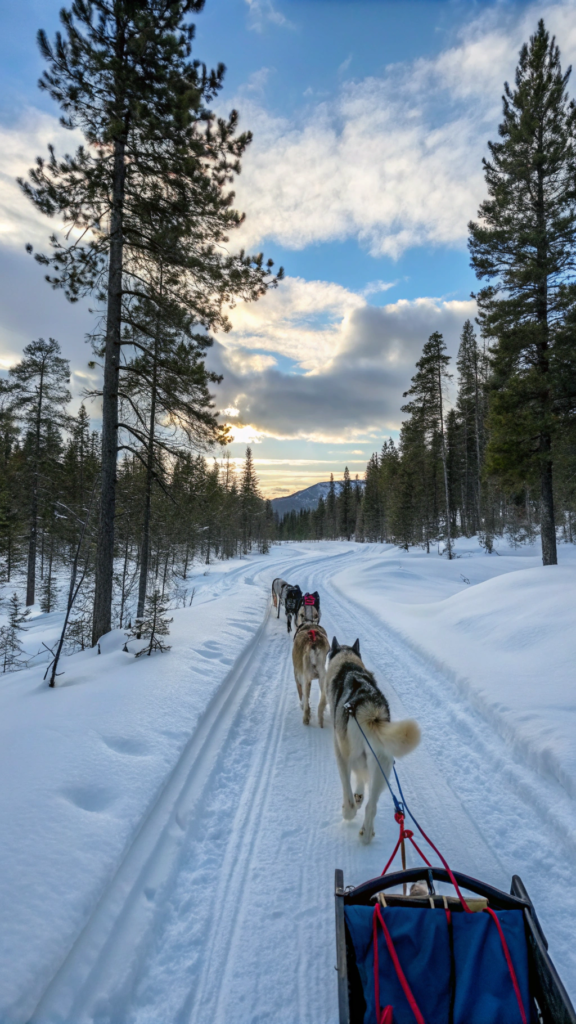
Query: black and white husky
[(356, 701), (285, 594)]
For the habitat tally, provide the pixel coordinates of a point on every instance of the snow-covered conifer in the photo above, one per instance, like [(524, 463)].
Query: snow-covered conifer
[(152, 627), (12, 653)]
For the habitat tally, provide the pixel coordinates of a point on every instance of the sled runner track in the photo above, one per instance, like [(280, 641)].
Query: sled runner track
[(224, 934), (109, 952), (124, 908)]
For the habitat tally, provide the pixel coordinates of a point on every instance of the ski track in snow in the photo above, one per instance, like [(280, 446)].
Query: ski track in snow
[(223, 907)]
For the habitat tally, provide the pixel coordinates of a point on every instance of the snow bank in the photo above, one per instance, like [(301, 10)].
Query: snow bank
[(82, 766), (502, 626)]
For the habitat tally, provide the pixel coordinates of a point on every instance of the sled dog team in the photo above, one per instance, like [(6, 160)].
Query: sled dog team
[(360, 712)]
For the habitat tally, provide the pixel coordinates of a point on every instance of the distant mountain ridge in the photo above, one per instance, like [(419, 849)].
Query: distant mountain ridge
[(305, 499)]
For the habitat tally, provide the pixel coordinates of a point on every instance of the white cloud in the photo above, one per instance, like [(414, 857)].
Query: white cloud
[(263, 11), (352, 360), (301, 320), (20, 145), (394, 161)]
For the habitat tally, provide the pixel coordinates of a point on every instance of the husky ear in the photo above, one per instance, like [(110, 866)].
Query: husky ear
[(356, 647), (335, 645)]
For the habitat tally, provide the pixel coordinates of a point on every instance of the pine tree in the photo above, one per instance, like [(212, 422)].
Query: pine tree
[(12, 656), (388, 484), (427, 409), (9, 459), (525, 245), (152, 627), (39, 393), (372, 516), (346, 517), (49, 588), (149, 186), (250, 503), (331, 510), (471, 405)]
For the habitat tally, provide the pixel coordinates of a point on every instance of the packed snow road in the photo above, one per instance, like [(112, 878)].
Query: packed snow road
[(221, 909)]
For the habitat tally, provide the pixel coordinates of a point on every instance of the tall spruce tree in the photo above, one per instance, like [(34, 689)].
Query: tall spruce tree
[(155, 155), (346, 507), (9, 466), (525, 245), (427, 409), (38, 389), (331, 510), (372, 516), (471, 364)]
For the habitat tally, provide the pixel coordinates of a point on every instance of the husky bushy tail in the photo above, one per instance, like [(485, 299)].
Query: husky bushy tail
[(356, 701), (399, 738)]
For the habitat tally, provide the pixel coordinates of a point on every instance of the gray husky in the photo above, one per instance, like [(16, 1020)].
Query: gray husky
[(279, 588), (356, 701)]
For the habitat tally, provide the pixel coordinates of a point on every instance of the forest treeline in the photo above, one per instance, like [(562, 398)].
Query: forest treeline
[(486, 447), (195, 511)]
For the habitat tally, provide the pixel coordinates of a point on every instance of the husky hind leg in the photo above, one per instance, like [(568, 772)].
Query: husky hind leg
[(322, 704), (289, 621), (348, 802), (376, 784), (299, 681), (306, 699)]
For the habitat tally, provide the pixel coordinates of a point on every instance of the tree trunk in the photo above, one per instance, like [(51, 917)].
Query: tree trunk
[(33, 538), (145, 547), (548, 525), (102, 621), (124, 573), (547, 522), (32, 543), (448, 536)]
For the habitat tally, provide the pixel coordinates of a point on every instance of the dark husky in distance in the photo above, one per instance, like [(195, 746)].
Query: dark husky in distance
[(288, 595)]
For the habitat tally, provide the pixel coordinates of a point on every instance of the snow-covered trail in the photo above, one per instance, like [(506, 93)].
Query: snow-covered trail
[(222, 909)]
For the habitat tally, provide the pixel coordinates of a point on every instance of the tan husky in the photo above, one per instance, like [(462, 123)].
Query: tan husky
[(311, 645)]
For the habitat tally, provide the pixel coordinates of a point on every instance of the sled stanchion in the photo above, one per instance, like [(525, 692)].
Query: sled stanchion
[(341, 963)]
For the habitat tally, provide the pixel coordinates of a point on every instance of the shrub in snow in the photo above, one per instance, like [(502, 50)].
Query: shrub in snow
[(152, 627), (11, 651)]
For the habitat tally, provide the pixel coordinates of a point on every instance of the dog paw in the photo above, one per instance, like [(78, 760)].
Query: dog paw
[(358, 797), (348, 811), (366, 835)]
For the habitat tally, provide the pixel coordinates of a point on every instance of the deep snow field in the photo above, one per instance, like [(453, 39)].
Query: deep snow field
[(170, 829)]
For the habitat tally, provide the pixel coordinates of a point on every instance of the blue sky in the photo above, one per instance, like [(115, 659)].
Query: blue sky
[(370, 121)]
